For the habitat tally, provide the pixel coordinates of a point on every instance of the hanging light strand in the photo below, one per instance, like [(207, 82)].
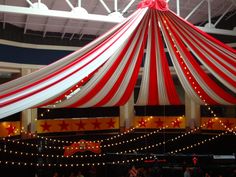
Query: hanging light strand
[(118, 143), (189, 77), (14, 163), (199, 143), (49, 155)]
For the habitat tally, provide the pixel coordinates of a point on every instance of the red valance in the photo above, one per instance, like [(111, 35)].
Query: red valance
[(161, 5)]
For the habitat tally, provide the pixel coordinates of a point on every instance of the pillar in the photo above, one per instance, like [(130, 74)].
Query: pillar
[(28, 116), (28, 119), (127, 114), (192, 113)]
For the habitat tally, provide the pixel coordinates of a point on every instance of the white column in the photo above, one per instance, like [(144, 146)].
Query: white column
[(178, 7), (28, 119), (28, 116), (192, 113), (127, 114)]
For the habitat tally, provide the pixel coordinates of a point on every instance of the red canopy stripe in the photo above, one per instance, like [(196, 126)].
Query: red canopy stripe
[(189, 60), (226, 71), (218, 44), (102, 81), (153, 87)]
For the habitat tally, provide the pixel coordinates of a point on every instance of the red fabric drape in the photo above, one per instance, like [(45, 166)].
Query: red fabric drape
[(203, 47), (189, 73), (153, 86), (169, 83), (161, 5)]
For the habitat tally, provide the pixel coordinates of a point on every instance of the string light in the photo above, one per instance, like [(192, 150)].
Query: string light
[(116, 162), (131, 140), (198, 143), (194, 145), (59, 147), (52, 147), (75, 164), (195, 87), (126, 161), (164, 142), (137, 149), (137, 138), (99, 141), (68, 94), (50, 155), (113, 137), (206, 104), (101, 146), (107, 139)]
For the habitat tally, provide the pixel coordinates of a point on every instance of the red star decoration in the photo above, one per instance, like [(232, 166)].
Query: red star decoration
[(96, 124), (45, 126), (210, 123), (111, 123), (142, 123), (176, 123), (228, 124), (10, 129), (64, 125), (80, 125), (159, 123)]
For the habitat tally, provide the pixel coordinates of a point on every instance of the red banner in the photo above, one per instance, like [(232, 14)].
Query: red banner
[(82, 146)]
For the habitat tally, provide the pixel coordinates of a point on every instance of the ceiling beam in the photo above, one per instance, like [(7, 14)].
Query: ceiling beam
[(89, 17), (45, 27), (221, 17), (100, 28), (178, 7), (218, 31), (4, 21), (47, 21), (83, 25), (64, 28), (30, 3), (230, 15), (194, 10), (115, 6), (209, 13), (105, 6), (4, 17), (58, 14), (128, 6), (26, 24)]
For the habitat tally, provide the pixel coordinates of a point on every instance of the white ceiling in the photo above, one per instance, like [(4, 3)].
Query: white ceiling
[(75, 26)]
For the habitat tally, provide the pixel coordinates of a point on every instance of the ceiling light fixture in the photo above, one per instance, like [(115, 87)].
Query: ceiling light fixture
[(79, 10), (38, 5)]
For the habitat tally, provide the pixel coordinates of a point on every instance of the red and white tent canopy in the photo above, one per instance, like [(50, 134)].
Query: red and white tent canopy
[(104, 72)]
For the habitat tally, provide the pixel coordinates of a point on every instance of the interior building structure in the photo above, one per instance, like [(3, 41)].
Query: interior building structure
[(37, 33)]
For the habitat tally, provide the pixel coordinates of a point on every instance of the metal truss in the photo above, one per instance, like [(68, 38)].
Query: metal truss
[(40, 9)]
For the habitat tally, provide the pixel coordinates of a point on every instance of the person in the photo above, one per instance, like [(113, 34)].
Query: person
[(55, 174), (233, 173), (141, 172), (92, 172), (79, 174), (133, 172), (187, 173), (72, 174)]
